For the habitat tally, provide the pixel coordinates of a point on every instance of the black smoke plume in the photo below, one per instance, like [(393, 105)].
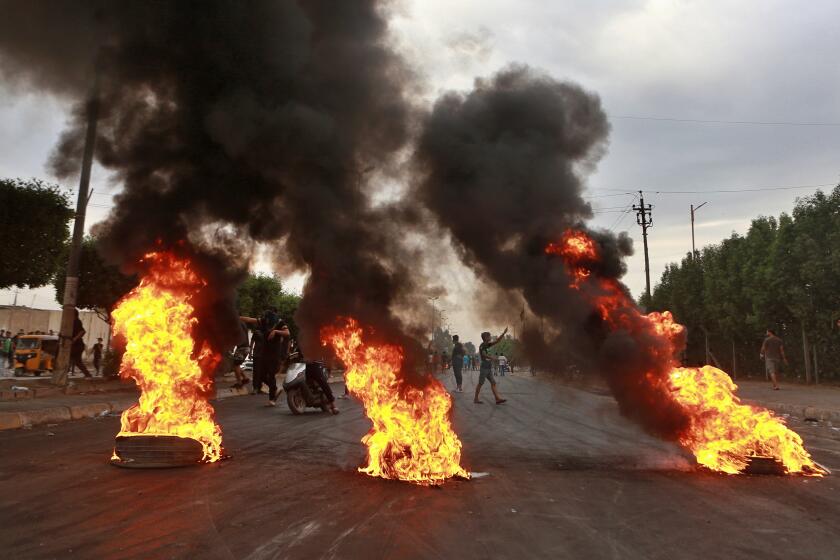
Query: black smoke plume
[(233, 122), (513, 151)]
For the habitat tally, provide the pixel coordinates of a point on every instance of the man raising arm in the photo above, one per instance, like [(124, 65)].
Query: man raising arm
[(486, 371)]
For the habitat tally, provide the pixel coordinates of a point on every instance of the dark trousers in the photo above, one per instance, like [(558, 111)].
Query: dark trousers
[(256, 374), (315, 375), (97, 364), (456, 369), (265, 371), (76, 361)]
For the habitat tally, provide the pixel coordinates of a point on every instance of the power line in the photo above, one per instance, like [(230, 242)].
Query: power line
[(754, 189), (722, 121), (626, 213), (622, 217), (606, 195), (718, 190)]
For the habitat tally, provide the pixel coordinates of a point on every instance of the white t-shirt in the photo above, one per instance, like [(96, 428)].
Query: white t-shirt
[(502, 360)]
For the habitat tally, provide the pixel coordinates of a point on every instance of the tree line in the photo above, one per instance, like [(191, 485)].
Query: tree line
[(783, 275)]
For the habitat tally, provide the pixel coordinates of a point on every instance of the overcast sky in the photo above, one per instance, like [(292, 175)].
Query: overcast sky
[(759, 61)]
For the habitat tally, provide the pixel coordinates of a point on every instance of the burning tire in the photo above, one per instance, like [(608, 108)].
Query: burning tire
[(156, 452), (297, 404)]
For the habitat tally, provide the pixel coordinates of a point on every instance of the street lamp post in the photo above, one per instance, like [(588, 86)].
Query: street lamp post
[(433, 299), (693, 210)]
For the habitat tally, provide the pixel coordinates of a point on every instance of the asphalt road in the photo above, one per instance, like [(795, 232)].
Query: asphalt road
[(568, 478)]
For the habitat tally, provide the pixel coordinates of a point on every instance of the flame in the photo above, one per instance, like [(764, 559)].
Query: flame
[(412, 438), (156, 318), (722, 432)]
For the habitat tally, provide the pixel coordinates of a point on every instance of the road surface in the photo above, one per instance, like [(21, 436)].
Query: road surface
[(568, 478)]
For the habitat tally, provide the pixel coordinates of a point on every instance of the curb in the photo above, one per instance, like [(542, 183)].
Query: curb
[(57, 414), (805, 412), (53, 415)]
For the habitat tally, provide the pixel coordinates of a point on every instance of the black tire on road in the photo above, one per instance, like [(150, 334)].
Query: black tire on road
[(296, 402)]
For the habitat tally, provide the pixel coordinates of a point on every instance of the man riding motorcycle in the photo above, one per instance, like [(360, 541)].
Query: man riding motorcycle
[(314, 373)]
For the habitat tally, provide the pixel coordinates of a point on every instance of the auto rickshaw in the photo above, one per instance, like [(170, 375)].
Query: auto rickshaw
[(35, 353)]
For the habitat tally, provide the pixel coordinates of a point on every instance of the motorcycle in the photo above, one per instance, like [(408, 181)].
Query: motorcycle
[(301, 390)]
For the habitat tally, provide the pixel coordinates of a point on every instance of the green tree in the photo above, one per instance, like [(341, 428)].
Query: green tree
[(510, 347), (34, 227), (781, 274), (260, 291), (101, 285)]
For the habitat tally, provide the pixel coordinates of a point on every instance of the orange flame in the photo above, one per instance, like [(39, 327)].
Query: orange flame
[(156, 318), (723, 433), (412, 438)]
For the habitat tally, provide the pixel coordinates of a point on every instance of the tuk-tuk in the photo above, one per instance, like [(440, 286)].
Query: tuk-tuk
[(35, 353)]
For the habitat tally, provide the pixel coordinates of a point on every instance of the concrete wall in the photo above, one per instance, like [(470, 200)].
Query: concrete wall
[(14, 318)]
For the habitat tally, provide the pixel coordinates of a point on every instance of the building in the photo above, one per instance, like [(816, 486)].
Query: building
[(16, 317)]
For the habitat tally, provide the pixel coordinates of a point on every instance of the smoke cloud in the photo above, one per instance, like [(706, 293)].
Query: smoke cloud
[(229, 123), (511, 152), (514, 151)]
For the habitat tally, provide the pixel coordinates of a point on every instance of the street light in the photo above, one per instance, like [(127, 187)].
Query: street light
[(433, 299), (693, 210)]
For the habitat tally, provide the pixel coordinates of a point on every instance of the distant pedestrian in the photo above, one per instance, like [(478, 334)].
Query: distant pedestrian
[(486, 371), (13, 342), (4, 340), (97, 355), (773, 353), (503, 364), (457, 362), (77, 346)]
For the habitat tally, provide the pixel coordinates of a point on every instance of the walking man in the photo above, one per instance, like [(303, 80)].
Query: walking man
[(773, 353), (486, 371), (77, 346), (457, 362), (97, 355), (275, 333)]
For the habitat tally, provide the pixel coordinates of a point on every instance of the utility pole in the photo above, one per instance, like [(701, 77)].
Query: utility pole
[(71, 284), (644, 219), (693, 210)]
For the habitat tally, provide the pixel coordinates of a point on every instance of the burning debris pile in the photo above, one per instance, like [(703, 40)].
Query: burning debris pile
[(412, 438), (722, 433), (157, 320)]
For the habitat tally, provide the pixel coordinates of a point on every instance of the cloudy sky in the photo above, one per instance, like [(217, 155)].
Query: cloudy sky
[(703, 96)]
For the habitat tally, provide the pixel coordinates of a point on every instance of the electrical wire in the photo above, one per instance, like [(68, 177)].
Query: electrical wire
[(722, 121)]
